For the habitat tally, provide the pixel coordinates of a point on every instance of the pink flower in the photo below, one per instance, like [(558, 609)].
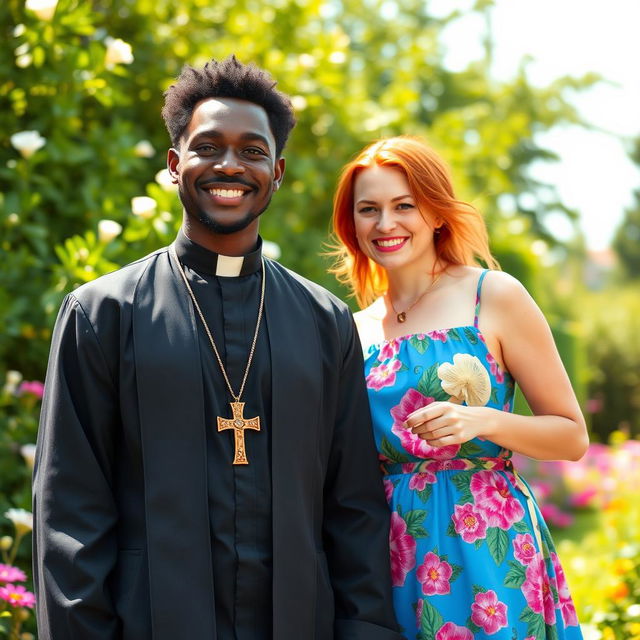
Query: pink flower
[(17, 596), (584, 498), (492, 495), (419, 481), (32, 386), (383, 375), (419, 608), (388, 489), (495, 369), (451, 631), (524, 549), (551, 513), (537, 590), (389, 350), (414, 444), (434, 575), (11, 574), (438, 335), (446, 465), (567, 608), (487, 612), (402, 547), (469, 523)]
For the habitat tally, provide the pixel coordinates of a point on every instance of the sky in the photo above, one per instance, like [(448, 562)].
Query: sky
[(570, 37)]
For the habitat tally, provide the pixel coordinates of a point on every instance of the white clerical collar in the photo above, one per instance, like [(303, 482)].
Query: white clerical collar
[(204, 260)]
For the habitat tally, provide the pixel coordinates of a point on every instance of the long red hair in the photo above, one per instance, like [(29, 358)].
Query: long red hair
[(462, 238)]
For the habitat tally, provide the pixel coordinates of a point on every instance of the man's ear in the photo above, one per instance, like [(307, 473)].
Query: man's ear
[(173, 160), (278, 173)]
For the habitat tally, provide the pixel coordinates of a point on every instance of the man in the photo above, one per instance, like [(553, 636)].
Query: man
[(205, 464)]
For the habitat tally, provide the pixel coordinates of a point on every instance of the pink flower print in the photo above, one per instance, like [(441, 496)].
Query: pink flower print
[(33, 387), (488, 612), (389, 350), (419, 608), (506, 407), (492, 495), (17, 596), (469, 522), (402, 547), (434, 575), (419, 481), (495, 369), (383, 375), (414, 444), (446, 465), (567, 608), (451, 631), (388, 489), (537, 590), (11, 574), (523, 548), (438, 335)]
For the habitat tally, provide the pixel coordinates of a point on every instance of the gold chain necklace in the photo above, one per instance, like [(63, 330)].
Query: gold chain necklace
[(401, 316), (238, 423)]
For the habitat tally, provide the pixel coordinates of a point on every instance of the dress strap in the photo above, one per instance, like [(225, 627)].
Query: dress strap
[(477, 308)]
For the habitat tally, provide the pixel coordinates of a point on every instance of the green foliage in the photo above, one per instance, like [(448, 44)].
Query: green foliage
[(626, 241)]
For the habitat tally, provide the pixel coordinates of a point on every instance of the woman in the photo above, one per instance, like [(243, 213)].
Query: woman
[(445, 343)]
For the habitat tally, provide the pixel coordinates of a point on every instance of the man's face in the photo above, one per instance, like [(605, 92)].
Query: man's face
[(226, 169)]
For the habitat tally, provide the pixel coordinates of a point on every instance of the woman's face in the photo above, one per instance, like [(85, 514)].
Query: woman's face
[(390, 228)]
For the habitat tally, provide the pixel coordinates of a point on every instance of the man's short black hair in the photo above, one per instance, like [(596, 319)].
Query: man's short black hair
[(228, 78)]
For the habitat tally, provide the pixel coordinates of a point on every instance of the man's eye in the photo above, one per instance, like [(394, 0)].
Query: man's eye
[(255, 151), (205, 148)]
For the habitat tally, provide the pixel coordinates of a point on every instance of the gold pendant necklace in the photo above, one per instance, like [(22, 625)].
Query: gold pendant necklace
[(401, 316), (237, 422)]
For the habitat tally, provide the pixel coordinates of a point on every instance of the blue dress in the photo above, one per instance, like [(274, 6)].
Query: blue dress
[(471, 556)]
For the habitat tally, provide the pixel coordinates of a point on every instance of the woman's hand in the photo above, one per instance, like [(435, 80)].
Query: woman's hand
[(445, 423)]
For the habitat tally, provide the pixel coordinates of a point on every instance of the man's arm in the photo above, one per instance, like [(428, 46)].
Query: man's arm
[(73, 504), (356, 517)]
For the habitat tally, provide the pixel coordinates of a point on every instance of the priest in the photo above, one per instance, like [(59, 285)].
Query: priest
[(205, 463)]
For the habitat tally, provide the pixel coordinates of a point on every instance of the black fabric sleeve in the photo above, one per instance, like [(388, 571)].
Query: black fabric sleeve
[(356, 516), (74, 511)]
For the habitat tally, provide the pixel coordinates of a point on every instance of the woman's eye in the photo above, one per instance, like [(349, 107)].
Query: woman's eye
[(405, 205), (366, 209)]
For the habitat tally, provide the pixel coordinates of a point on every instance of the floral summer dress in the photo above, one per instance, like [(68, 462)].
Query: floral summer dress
[(471, 556)]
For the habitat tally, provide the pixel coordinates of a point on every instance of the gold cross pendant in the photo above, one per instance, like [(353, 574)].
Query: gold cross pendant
[(238, 424)]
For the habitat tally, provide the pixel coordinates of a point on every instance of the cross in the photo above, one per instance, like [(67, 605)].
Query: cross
[(238, 424)]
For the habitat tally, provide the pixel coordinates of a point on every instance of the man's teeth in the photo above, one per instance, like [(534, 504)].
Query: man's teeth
[(390, 243), (226, 193)]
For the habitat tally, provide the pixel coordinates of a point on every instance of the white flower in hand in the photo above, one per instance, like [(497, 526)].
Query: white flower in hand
[(466, 380), (27, 142)]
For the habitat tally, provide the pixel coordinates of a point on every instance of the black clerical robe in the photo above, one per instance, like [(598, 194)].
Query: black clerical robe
[(124, 537)]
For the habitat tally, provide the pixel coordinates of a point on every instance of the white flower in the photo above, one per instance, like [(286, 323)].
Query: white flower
[(143, 206), (118, 52), (27, 142), (271, 249), (633, 611), (22, 520), (299, 102), (14, 378), (108, 230), (164, 179), (44, 9), (144, 149), (28, 452), (466, 379), (24, 60)]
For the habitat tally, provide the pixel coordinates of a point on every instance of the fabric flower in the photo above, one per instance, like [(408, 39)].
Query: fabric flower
[(414, 444), (389, 349), (419, 608), (383, 375), (451, 631), (11, 574), (438, 335), (434, 575), (17, 596), (488, 612), (537, 590), (402, 547), (469, 522), (493, 497), (22, 520), (567, 608), (419, 481), (523, 548), (495, 369), (466, 379)]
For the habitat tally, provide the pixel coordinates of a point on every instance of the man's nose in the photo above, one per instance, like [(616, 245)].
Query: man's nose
[(228, 163)]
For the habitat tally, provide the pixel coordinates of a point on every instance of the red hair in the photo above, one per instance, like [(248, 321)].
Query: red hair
[(462, 238)]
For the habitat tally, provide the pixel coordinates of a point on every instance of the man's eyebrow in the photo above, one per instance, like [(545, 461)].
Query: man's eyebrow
[(248, 136)]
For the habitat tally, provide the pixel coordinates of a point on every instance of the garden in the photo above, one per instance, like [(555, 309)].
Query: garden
[(84, 190)]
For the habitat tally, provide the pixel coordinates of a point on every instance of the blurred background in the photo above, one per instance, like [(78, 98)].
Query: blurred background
[(534, 105)]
